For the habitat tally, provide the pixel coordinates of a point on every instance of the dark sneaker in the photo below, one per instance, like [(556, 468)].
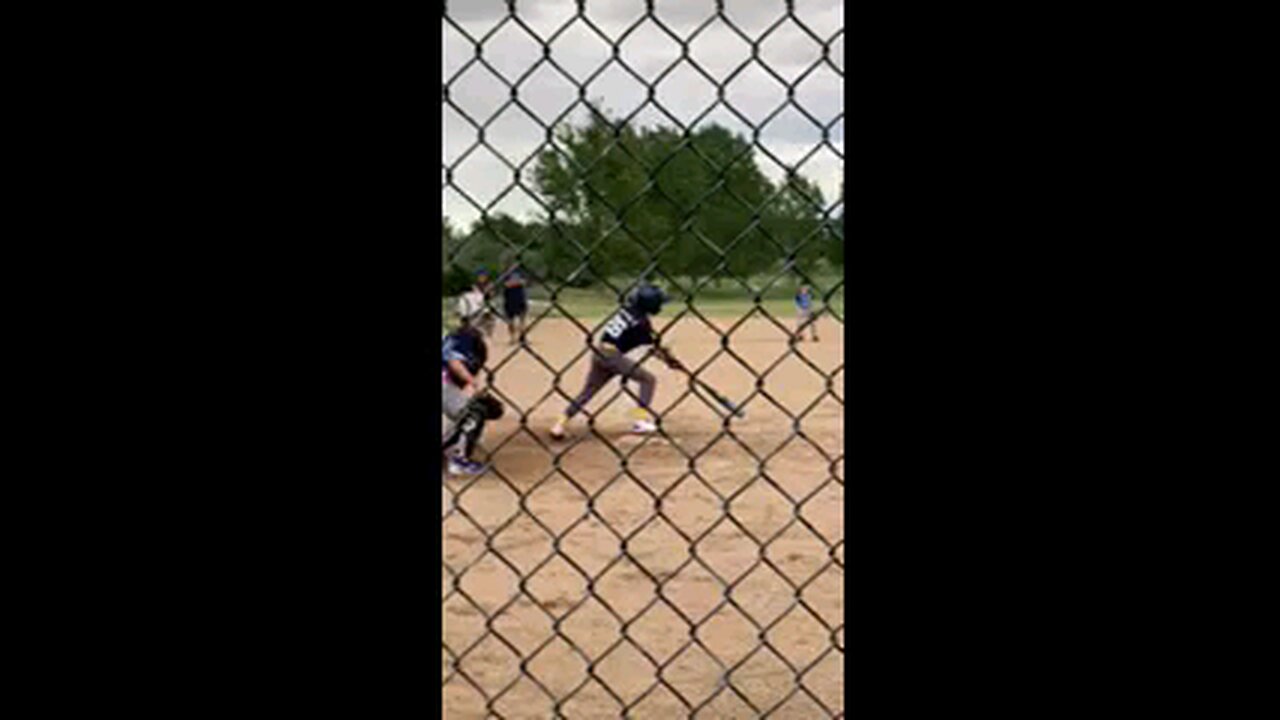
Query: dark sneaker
[(465, 467)]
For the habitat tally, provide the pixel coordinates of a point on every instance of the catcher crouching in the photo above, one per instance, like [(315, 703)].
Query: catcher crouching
[(465, 408)]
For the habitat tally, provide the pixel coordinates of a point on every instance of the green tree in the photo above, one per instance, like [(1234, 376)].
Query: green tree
[(491, 243), (632, 196), (717, 189), (835, 251), (586, 190), (795, 221), (454, 279)]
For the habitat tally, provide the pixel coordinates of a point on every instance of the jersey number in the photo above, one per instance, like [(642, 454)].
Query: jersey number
[(617, 325)]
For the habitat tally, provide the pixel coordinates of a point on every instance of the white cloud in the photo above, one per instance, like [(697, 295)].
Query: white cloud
[(545, 92)]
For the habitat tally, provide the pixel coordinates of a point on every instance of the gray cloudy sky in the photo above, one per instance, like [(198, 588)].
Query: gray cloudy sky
[(685, 93)]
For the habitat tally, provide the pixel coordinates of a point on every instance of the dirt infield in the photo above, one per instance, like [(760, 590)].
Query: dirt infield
[(657, 594)]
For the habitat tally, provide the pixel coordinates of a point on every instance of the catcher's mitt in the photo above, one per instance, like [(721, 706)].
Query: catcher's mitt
[(490, 407)]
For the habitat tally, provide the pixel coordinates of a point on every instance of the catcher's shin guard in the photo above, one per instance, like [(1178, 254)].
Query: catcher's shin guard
[(461, 441)]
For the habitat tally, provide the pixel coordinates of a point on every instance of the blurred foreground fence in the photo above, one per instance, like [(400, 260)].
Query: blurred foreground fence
[(684, 202)]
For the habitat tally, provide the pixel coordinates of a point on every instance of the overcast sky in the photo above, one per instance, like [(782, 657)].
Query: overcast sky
[(788, 51)]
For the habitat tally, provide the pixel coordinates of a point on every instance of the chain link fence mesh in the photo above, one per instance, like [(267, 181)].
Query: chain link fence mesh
[(696, 572)]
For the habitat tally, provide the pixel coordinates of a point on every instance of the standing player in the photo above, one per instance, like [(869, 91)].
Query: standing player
[(804, 314), (463, 354), (472, 308), (515, 301), (628, 329)]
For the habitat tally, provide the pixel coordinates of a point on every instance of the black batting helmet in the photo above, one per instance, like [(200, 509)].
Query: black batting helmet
[(648, 299)]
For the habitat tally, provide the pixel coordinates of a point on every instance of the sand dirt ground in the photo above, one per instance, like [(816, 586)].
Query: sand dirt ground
[(655, 630)]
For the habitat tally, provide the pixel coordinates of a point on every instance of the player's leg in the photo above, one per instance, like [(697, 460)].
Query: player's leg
[(452, 402), (517, 310), (462, 440), (630, 370), (596, 378), (460, 435)]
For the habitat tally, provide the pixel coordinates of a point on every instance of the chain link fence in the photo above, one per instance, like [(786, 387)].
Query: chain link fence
[(697, 571)]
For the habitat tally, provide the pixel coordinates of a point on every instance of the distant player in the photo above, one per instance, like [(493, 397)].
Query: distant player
[(628, 329), (472, 308), (515, 305), (465, 409), (804, 314)]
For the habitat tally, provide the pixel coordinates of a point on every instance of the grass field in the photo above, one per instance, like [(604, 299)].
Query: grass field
[(728, 301)]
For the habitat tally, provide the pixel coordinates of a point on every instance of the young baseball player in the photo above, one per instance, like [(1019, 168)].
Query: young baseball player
[(465, 409), (804, 314), (628, 329), (472, 309), (515, 303)]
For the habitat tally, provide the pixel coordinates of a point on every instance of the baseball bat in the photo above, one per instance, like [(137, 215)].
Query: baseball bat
[(715, 394), (728, 405)]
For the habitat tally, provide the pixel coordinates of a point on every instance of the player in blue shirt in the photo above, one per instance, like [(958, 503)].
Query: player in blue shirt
[(463, 354), (628, 329), (804, 314)]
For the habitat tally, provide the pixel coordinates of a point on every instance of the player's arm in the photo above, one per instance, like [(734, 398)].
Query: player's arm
[(664, 354), (455, 361), (458, 369)]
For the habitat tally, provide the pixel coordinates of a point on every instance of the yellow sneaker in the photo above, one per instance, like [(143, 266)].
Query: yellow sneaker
[(644, 423)]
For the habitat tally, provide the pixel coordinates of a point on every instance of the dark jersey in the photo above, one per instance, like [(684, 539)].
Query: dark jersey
[(627, 330), (467, 346), (513, 297)]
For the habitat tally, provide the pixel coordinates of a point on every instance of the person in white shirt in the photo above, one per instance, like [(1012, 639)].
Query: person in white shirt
[(472, 309)]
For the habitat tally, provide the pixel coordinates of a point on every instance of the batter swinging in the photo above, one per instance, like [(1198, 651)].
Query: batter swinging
[(628, 329)]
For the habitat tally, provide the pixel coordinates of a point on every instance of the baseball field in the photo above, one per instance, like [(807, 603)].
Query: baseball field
[(695, 574)]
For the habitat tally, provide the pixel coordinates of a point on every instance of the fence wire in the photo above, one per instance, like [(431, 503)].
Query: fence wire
[(519, 624)]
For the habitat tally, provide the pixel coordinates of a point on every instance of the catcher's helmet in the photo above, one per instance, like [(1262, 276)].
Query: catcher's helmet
[(648, 299)]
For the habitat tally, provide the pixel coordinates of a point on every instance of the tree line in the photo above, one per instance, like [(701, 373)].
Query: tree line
[(621, 201)]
